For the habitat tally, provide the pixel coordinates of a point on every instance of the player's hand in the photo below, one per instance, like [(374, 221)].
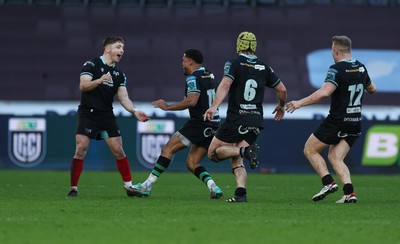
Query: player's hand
[(209, 114), (141, 116), (292, 106), (160, 104), (106, 78), (279, 112)]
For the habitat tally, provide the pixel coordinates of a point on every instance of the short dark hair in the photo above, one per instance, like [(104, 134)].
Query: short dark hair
[(194, 54), (112, 40)]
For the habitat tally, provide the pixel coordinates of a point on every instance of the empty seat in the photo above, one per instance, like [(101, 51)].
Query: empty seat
[(351, 2), (295, 2), (322, 2), (239, 3), (74, 2), (186, 3), (212, 3), (266, 2), (379, 2)]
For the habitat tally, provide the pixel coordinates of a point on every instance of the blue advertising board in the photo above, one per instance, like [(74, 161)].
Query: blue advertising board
[(48, 143)]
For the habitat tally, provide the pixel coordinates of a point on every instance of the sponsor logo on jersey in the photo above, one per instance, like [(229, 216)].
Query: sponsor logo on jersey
[(259, 67), (381, 147), (152, 136), (109, 83), (248, 106), (360, 69), (353, 110), (27, 141)]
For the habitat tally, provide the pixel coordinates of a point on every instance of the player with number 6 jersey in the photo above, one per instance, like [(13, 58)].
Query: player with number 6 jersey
[(244, 81), (250, 76)]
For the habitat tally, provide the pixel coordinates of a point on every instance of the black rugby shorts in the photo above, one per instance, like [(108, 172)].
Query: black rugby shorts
[(331, 132), (198, 133), (97, 125), (234, 133)]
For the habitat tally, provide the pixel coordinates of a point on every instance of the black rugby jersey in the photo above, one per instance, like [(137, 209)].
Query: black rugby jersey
[(202, 82), (101, 98), (351, 78), (250, 77)]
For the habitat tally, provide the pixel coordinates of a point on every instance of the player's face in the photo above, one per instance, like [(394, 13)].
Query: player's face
[(116, 51), (186, 62)]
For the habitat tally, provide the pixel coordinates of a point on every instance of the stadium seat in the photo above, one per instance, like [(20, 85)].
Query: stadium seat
[(49, 27), (239, 3), (74, 2), (212, 3), (103, 3), (130, 3), (77, 27), (294, 2), (266, 2), (351, 2), (158, 3), (186, 3), (322, 2), (47, 2), (17, 2), (379, 2)]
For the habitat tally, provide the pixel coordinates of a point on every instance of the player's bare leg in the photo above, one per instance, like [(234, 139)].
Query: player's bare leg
[(312, 151), (336, 156), (219, 151)]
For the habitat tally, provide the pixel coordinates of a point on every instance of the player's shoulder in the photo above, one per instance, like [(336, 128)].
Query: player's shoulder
[(92, 62), (201, 72), (118, 70), (337, 66), (234, 60), (358, 62)]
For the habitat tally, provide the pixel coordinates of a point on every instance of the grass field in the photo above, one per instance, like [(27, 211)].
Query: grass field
[(34, 209)]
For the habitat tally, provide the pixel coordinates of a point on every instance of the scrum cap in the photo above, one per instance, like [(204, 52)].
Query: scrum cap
[(246, 41)]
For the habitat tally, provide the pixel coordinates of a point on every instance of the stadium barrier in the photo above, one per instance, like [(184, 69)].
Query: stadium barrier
[(48, 143)]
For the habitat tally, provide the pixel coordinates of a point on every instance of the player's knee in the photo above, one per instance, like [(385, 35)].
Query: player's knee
[(80, 152), (191, 166), (308, 151), (334, 160), (214, 156)]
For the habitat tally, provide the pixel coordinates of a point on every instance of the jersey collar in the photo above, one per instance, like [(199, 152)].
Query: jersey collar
[(248, 56), (200, 68), (351, 60), (104, 62)]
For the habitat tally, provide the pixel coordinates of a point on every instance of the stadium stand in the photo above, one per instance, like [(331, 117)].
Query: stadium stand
[(46, 42)]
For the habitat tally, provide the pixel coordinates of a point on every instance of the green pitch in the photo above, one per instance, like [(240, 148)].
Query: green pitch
[(34, 209)]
